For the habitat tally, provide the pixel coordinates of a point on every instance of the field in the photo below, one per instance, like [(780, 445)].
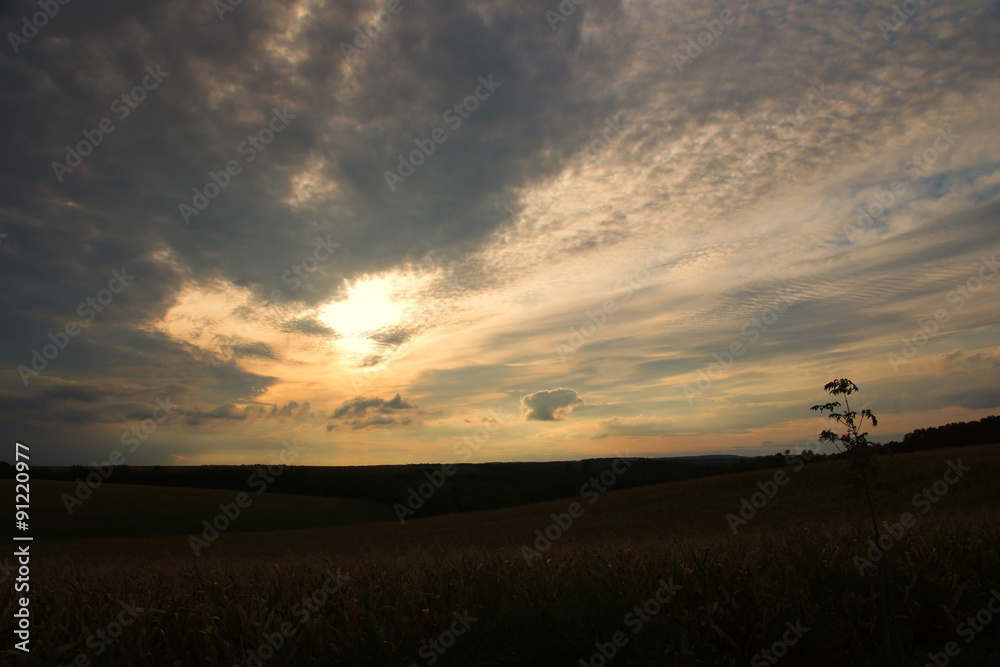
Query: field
[(459, 590)]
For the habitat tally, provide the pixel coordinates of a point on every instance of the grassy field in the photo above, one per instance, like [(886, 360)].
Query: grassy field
[(124, 510), (458, 590)]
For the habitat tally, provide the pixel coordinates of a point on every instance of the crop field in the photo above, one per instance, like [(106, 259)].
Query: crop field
[(662, 575), (407, 333)]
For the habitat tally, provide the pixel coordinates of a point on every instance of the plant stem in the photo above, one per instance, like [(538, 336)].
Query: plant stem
[(885, 604)]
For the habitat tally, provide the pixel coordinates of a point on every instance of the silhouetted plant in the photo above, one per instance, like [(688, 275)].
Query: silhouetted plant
[(861, 456), (854, 442)]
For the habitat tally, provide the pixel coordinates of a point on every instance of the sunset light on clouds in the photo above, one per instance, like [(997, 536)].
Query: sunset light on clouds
[(660, 228)]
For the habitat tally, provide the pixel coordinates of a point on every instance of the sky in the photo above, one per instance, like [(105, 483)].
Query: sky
[(416, 231)]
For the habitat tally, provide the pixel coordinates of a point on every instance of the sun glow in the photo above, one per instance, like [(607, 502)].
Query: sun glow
[(369, 307)]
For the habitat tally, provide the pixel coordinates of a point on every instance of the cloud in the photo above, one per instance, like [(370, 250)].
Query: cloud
[(514, 232), (362, 412), (977, 400), (309, 326), (232, 412), (393, 337), (640, 425), (226, 411), (258, 349), (362, 405), (80, 392), (549, 405)]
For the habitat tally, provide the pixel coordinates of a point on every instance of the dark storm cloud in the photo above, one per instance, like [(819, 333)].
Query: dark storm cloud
[(222, 82), (206, 87)]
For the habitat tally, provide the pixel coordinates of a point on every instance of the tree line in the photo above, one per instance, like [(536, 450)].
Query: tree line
[(482, 486)]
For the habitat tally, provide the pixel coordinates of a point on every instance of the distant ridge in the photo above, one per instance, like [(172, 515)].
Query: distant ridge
[(706, 459)]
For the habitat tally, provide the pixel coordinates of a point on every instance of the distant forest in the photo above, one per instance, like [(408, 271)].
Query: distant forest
[(986, 431), (480, 486)]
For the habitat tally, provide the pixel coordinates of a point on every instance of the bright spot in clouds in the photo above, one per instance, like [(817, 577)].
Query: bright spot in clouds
[(530, 232), (369, 307)]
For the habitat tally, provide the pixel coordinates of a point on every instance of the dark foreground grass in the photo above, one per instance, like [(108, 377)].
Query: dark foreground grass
[(793, 563)]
